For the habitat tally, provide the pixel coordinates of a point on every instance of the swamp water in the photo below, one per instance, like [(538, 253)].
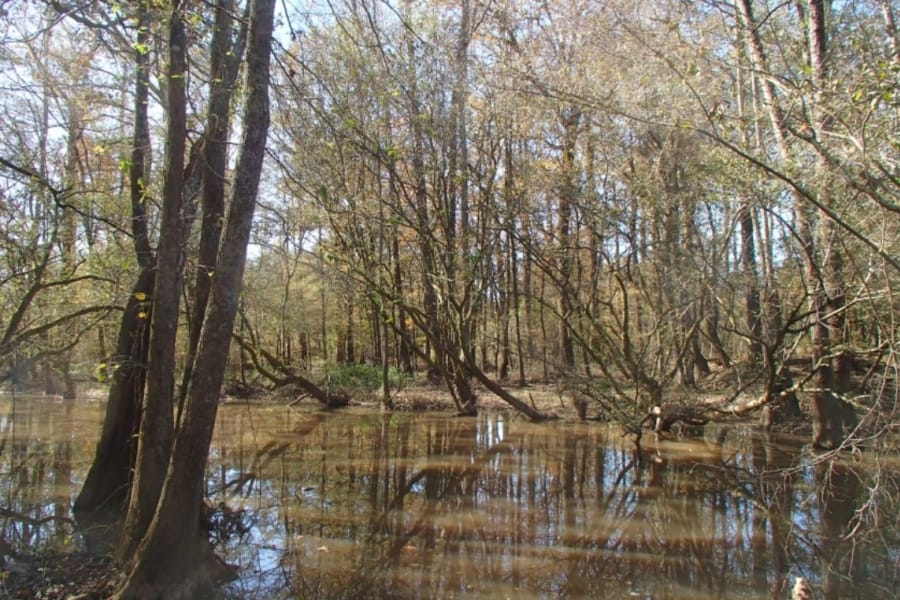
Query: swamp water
[(357, 504)]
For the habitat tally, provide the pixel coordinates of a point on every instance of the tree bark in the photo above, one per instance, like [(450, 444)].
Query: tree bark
[(157, 422), (139, 169), (105, 491), (174, 559), (571, 119), (104, 494), (225, 56)]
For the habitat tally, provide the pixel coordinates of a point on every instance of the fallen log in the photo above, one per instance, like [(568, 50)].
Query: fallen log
[(284, 375), (663, 418)]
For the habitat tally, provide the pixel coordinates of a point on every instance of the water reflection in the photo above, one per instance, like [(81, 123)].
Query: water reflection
[(45, 448), (426, 506), (361, 504)]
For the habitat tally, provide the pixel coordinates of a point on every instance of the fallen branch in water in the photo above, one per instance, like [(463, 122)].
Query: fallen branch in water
[(23, 518)]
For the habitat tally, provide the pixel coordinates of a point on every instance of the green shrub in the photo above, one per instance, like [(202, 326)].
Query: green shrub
[(362, 377)]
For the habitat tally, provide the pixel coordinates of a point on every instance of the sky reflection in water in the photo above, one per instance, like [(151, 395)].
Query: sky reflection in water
[(360, 504)]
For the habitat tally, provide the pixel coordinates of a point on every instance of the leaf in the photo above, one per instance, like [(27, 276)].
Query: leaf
[(140, 296)]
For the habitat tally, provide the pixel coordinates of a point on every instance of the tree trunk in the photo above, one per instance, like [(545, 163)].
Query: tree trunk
[(349, 343), (512, 215), (139, 169), (387, 402), (567, 197), (423, 226), (157, 421), (225, 56), (105, 491), (751, 277), (503, 312), (404, 349), (891, 29), (174, 559), (104, 494), (828, 298), (323, 301), (699, 363)]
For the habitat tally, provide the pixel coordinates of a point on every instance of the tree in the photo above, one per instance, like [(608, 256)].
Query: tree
[(226, 52), (173, 559), (51, 190), (106, 488), (155, 436), (822, 274), (414, 142), (133, 456)]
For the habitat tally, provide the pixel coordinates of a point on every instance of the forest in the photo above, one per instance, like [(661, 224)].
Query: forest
[(632, 202)]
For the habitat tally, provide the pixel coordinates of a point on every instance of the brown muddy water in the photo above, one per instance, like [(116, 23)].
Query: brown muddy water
[(356, 503)]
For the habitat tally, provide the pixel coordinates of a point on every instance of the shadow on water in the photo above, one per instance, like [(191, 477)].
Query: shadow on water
[(361, 504)]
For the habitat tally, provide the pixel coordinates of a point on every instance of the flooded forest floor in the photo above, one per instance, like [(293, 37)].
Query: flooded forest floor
[(360, 502)]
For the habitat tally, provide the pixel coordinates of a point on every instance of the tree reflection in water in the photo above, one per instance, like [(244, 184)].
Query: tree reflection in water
[(361, 504), (431, 506)]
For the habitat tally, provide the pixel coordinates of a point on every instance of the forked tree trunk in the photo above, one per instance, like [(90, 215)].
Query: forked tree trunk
[(174, 560)]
